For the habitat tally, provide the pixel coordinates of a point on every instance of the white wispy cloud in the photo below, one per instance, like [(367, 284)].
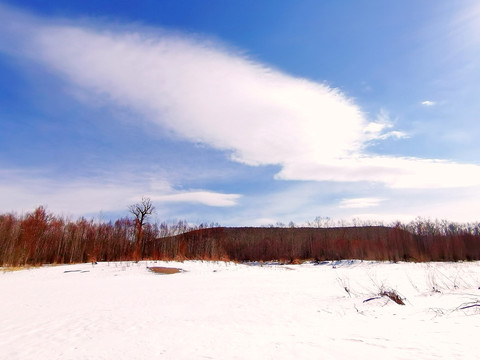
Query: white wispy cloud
[(464, 29), (428, 103), (24, 190), (303, 201), (201, 91), (356, 203), (405, 205), (202, 197), (380, 129), (395, 172)]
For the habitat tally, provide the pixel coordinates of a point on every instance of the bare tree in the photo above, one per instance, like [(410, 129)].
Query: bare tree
[(141, 211)]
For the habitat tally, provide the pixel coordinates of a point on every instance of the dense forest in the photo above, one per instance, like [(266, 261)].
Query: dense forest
[(40, 237)]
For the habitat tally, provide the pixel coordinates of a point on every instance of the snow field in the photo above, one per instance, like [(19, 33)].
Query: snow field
[(217, 310)]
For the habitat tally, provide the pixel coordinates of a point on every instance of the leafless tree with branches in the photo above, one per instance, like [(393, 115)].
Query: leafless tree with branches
[(141, 211)]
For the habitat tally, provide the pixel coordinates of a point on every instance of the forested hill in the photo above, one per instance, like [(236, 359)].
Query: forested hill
[(294, 244)]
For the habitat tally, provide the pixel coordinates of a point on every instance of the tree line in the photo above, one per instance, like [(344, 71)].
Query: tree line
[(39, 237)]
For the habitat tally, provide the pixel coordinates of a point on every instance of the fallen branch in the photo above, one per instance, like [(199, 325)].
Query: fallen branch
[(469, 306)]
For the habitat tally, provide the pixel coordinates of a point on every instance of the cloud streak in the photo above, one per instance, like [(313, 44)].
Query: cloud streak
[(396, 172), (202, 197), (22, 190), (358, 203)]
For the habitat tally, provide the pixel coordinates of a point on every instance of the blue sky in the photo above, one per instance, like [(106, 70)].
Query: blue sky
[(241, 112)]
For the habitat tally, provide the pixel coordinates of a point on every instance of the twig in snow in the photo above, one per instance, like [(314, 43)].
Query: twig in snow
[(372, 298)]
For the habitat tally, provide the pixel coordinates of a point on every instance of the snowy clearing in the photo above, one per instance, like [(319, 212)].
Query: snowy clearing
[(216, 310)]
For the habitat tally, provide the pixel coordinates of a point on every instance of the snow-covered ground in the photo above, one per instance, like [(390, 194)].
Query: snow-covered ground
[(232, 311)]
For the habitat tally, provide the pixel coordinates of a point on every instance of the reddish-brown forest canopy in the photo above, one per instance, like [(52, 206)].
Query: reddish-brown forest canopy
[(41, 238)]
